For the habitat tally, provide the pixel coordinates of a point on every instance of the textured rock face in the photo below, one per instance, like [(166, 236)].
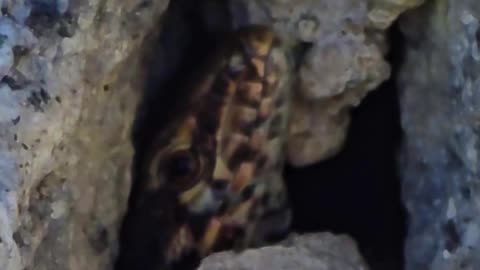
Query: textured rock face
[(343, 61), (307, 252), (67, 99), (440, 101)]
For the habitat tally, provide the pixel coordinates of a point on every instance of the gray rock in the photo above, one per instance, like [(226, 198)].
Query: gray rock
[(6, 59), (323, 251), (440, 107), (9, 108), (67, 100)]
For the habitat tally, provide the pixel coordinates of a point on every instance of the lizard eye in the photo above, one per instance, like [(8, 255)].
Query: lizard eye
[(182, 170)]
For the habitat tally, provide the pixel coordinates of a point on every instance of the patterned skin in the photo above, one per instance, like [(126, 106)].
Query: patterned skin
[(216, 174)]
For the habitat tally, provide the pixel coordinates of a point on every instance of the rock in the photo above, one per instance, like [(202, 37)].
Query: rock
[(323, 251), (440, 106), (383, 13), (68, 95), (9, 110), (318, 133), (345, 63), (344, 60)]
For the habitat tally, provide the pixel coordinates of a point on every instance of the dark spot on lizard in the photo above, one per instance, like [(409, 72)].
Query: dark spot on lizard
[(222, 209), (220, 86), (265, 199), (211, 122), (243, 153), (219, 184), (198, 224), (275, 127)]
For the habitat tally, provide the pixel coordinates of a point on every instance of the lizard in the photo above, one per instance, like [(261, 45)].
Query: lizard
[(212, 180)]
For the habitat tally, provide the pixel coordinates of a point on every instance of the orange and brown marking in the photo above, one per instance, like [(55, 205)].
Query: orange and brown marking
[(214, 162)]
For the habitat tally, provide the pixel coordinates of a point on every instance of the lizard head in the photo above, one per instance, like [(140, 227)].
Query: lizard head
[(221, 158)]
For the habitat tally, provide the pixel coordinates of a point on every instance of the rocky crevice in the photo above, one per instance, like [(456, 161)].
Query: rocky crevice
[(72, 76), (368, 204)]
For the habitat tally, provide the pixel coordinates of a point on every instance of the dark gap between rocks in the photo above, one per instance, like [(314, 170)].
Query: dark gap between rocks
[(357, 192)]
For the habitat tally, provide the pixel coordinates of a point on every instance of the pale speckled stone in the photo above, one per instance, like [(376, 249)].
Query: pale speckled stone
[(15, 34), (323, 251), (66, 113), (6, 59), (8, 105), (440, 101)]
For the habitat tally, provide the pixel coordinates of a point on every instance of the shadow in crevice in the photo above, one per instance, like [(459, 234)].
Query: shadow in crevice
[(358, 191), (172, 60)]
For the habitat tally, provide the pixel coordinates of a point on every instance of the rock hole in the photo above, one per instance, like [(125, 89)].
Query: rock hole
[(357, 192)]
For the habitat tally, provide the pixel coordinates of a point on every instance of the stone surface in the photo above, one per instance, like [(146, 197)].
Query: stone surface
[(440, 108), (343, 60), (313, 126), (68, 95), (382, 13), (323, 251)]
